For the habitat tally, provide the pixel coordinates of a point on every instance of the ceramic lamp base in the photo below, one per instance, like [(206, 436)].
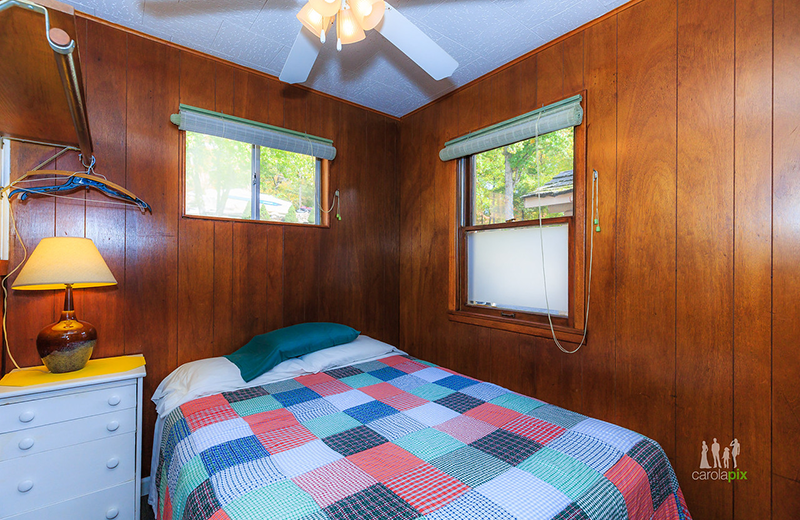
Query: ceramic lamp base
[(66, 346)]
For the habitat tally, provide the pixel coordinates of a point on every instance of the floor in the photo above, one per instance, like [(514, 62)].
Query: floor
[(147, 511)]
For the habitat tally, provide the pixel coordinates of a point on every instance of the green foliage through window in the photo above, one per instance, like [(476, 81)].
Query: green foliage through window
[(506, 180), (219, 181)]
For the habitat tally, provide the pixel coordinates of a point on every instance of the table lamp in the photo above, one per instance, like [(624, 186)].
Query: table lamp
[(65, 263)]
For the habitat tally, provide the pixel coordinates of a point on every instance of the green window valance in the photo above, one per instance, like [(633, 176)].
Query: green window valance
[(203, 121), (543, 120)]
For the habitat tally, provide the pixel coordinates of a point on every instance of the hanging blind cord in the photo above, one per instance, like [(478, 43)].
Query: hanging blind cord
[(595, 210)]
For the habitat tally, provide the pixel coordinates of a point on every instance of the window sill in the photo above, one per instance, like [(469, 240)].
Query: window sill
[(522, 327), (248, 221)]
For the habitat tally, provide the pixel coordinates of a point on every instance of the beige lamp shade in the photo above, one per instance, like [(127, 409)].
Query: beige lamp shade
[(60, 261)]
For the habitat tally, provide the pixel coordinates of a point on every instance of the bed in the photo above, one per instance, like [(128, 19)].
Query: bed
[(366, 431)]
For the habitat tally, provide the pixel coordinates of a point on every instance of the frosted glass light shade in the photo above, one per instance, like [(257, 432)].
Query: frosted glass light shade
[(504, 268), (348, 29), (375, 15), (326, 8), (60, 261), (312, 20)]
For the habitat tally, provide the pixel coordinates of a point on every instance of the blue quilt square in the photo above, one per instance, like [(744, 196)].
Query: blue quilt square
[(377, 501), (343, 372), (507, 446), (202, 503), (387, 374), (296, 396), (354, 440), (244, 394), (231, 453), (456, 382), (370, 411)]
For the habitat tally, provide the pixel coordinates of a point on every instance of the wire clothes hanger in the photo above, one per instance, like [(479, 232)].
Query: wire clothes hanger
[(77, 180)]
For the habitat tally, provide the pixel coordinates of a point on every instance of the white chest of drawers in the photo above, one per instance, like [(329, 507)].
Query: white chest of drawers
[(72, 450)]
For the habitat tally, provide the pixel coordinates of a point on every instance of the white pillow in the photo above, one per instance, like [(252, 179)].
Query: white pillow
[(214, 375), (363, 348)]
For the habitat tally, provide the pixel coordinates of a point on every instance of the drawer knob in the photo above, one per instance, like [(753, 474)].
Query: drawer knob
[(113, 426), (25, 486), (112, 513), (26, 443), (114, 400), (27, 416), (112, 463)]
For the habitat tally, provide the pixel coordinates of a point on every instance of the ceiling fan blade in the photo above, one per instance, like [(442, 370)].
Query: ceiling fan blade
[(416, 44), (301, 58)]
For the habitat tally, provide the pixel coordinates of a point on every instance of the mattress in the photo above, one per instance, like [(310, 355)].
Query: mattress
[(403, 438)]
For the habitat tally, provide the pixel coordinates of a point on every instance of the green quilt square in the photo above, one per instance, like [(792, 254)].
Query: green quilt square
[(192, 474), (570, 476), (283, 500), (264, 403), (518, 403), (331, 424), (360, 380), (471, 466), (428, 444), (432, 392)]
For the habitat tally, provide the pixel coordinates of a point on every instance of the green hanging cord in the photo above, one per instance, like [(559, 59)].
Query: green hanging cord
[(596, 200)]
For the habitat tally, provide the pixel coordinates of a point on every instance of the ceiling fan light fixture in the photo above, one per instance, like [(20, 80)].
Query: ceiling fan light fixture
[(375, 14), (326, 8)]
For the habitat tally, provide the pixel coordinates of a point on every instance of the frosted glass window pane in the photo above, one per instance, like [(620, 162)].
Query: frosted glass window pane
[(505, 268), (217, 176)]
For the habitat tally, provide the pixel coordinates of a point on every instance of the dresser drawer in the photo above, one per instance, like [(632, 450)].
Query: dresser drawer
[(50, 477), (41, 410), (114, 503), (52, 436)]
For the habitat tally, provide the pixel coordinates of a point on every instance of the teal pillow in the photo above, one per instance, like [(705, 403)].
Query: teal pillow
[(264, 352)]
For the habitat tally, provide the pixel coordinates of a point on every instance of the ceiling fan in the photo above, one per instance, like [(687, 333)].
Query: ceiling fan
[(351, 18)]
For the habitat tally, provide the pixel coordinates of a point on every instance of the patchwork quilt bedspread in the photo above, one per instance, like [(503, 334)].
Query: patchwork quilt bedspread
[(402, 438)]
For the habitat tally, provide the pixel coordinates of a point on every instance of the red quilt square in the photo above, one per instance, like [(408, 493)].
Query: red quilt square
[(195, 405), (272, 420), (314, 379), (493, 414), (631, 480), (276, 441), (534, 429), (210, 416), (385, 461), (410, 367), (393, 360), (404, 401), (427, 488), (334, 481), (381, 391), (330, 388), (220, 515)]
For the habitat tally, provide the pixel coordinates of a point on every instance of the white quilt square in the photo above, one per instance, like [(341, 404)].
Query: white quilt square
[(220, 432), (431, 414), (540, 501), (302, 459), (348, 399), (432, 374)]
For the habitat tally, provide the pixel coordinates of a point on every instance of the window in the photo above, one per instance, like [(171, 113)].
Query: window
[(508, 267), (240, 169), (226, 178)]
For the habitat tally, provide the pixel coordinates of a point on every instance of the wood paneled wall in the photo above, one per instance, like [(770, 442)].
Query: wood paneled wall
[(189, 288), (692, 110)]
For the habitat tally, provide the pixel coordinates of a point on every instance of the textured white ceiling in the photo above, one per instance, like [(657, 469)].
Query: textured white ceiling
[(481, 35)]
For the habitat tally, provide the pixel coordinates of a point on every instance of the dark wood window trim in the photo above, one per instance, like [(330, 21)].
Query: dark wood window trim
[(324, 198), (566, 329)]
